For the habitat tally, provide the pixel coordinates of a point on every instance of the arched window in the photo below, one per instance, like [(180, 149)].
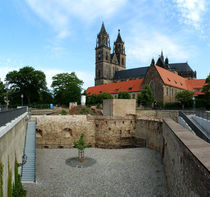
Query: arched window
[(152, 86), (123, 61), (107, 57), (99, 74)]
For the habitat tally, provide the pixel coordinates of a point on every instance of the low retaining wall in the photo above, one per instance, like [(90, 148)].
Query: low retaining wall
[(186, 161), (12, 139)]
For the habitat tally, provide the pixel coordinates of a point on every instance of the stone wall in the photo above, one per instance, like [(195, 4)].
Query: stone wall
[(12, 140), (61, 131), (186, 161), (113, 132), (158, 114), (151, 131)]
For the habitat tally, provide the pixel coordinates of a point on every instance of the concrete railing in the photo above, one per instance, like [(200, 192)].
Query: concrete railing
[(12, 140)]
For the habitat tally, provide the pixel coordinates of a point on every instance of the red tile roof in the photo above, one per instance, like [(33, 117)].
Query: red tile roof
[(114, 88), (172, 79), (195, 83)]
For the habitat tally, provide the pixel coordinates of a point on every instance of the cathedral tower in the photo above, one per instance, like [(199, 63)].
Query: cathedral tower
[(119, 50), (106, 63)]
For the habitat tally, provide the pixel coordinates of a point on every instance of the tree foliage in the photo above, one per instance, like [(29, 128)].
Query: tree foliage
[(2, 93), (67, 88), (95, 99), (206, 90), (124, 95), (184, 97), (146, 97), (26, 81), (80, 144)]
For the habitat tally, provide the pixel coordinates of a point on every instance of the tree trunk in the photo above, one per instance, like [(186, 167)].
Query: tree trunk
[(81, 155)]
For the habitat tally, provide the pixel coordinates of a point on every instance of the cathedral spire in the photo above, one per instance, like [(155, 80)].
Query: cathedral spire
[(103, 38), (119, 39), (103, 30)]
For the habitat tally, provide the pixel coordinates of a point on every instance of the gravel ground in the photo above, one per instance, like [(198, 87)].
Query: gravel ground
[(136, 172)]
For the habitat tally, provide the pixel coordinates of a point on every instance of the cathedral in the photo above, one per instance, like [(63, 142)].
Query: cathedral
[(111, 67), (165, 79)]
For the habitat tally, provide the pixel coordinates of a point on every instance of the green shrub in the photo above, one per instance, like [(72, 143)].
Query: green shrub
[(84, 110), (124, 95), (9, 185), (17, 190), (63, 112), (1, 179), (173, 105)]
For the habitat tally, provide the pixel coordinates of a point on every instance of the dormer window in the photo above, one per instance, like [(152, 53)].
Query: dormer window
[(175, 82), (181, 83), (117, 90), (168, 79), (130, 88), (100, 91)]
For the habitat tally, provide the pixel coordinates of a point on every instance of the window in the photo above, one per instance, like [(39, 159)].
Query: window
[(130, 88), (123, 61), (117, 89), (107, 57), (100, 91), (168, 79), (167, 91), (133, 96)]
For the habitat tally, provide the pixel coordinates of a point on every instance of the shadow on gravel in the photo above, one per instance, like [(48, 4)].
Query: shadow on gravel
[(74, 162)]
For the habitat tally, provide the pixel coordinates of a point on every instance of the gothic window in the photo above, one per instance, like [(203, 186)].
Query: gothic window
[(123, 61), (99, 74), (107, 57), (152, 86)]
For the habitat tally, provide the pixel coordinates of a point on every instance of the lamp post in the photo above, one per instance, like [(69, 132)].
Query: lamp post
[(6, 85), (193, 103), (22, 99)]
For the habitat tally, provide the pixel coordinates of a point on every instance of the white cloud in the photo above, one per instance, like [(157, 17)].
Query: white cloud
[(61, 14), (143, 47), (192, 11)]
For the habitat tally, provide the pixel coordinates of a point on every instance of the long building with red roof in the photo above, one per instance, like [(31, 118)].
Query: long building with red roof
[(164, 84)]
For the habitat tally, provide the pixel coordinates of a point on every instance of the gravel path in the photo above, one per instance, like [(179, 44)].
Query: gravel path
[(134, 172)]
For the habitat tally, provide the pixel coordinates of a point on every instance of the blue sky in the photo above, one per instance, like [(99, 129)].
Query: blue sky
[(60, 35)]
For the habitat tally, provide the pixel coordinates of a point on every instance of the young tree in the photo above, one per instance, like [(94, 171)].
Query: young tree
[(67, 88), (146, 97), (27, 81), (81, 145), (184, 97), (206, 90), (124, 95)]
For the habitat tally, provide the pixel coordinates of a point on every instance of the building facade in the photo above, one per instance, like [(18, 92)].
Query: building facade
[(164, 79), (111, 67)]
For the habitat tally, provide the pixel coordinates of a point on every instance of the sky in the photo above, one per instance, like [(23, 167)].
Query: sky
[(57, 36)]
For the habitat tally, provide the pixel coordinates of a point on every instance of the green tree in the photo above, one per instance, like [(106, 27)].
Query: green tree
[(206, 90), (184, 97), (81, 145), (27, 81), (124, 95), (102, 96), (67, 88), (2, 93), (146, 97)]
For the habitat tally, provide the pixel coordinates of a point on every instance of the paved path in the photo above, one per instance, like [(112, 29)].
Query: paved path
[(134, 172)]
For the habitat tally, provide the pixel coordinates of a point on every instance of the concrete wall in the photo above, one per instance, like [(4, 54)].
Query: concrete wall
[(119, 107), (186, 161), (12, 140)]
